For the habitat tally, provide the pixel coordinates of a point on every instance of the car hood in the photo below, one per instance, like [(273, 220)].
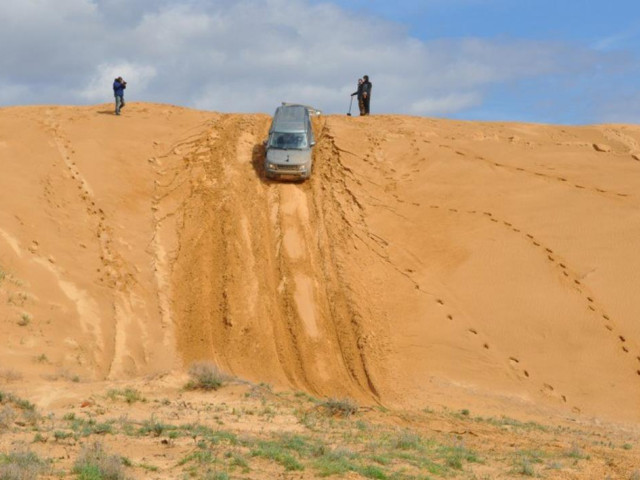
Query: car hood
[(291, 157)]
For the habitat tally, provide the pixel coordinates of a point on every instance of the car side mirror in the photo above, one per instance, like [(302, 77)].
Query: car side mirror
[(313, 142)]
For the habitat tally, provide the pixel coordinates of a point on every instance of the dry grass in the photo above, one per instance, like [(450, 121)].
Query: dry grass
[(206, 376)]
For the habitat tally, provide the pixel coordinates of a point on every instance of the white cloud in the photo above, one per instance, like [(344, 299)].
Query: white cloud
[(99, 87), (443, 105), (248, 55)]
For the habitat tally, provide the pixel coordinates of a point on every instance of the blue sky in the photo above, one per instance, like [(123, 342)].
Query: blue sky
[(561, 62), (604, 90)]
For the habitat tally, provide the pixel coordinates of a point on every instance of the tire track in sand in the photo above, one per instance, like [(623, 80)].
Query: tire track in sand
[(256, 284)]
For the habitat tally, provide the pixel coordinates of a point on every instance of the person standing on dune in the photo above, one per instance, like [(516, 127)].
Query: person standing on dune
[(118, 91), (358, 92), (366, 93)]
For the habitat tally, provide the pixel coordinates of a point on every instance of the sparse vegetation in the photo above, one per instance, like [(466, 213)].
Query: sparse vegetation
[(10, 375), (129, 395), (576, 452), (94, 463), (24, 320), (206, 376), (42, 358), (22, 464), (344, 407), (329, 445)]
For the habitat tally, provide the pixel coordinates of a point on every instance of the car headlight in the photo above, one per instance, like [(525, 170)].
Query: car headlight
[(272, 166)]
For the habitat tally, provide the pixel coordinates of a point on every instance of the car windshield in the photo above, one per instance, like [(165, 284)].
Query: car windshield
[(288, 140)]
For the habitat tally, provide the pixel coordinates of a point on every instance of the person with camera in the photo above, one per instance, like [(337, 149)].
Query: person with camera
[(118, 91)]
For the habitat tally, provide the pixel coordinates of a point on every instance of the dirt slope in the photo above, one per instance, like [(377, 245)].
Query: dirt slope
[(426, 261)]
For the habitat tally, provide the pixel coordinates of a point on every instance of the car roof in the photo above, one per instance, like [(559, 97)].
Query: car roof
[(290, 118)]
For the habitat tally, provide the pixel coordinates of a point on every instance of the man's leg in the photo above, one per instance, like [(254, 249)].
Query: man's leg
[(366, 105), (361, 105), (118, 103)]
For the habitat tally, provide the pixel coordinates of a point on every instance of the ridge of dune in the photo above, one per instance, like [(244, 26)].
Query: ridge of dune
[(425, 261)]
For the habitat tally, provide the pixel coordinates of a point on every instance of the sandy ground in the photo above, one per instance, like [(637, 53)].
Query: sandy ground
[(426, 264)]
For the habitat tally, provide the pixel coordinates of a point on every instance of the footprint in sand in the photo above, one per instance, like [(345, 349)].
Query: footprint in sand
[(473, 330)]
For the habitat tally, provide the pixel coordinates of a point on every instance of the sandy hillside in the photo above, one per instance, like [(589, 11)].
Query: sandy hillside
[(426, 262)]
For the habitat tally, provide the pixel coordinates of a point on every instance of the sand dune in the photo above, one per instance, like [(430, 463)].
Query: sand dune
[(425, 262)]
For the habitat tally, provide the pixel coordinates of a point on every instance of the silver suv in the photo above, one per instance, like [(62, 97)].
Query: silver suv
[(288, 148)]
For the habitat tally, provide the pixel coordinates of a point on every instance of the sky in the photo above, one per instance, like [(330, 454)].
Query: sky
[(545, 61)]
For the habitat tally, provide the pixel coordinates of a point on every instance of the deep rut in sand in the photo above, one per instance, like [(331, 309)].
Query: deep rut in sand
[(257, 279)]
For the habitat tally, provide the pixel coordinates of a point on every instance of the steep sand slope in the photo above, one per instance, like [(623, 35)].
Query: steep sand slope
[(425, 261)]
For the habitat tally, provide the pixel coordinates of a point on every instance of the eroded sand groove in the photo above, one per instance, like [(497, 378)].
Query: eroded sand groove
[(257, 280)]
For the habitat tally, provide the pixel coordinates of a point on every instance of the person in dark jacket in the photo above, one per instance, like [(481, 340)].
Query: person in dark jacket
[(366, 93), (358, 92), (118, 91)]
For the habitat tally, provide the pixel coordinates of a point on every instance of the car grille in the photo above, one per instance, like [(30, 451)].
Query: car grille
[(288, 168)]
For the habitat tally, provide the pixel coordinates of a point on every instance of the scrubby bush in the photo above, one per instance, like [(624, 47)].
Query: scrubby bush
[(206, 376), (344, 407), (22, 464), (94, 463)]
